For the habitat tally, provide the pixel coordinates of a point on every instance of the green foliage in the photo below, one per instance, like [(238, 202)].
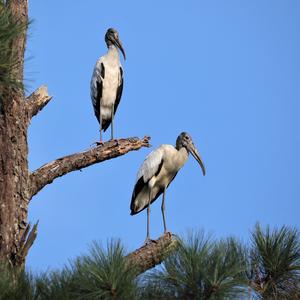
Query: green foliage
[(201, 269), (275, 263), (16, 286), (55, 286), (10, 28), (104, 274)]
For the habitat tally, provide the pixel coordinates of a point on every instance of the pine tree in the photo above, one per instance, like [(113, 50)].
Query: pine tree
[(275, 263), (201, 269), (10, 30)]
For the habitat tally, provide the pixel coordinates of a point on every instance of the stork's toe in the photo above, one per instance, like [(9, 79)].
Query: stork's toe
[(149, 241)]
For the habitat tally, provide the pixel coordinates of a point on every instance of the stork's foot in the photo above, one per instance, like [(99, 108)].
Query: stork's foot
[(113, 140), (168, 233), (149, 241), (97, 144)]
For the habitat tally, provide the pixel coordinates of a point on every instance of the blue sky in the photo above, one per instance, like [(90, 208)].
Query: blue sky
[(227, 72)]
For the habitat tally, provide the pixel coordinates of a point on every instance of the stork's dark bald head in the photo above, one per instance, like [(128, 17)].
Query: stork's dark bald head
[(183, 140), (112, 38)]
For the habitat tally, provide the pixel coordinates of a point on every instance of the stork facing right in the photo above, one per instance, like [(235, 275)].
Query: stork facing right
[(157, 172), (107, 82)]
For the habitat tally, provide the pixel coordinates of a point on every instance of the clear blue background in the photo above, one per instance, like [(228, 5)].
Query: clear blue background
[(227, 72)]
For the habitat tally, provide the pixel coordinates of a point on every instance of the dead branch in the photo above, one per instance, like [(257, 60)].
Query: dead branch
[(37, 101), (153, 254), (59, 167), (26, 242)]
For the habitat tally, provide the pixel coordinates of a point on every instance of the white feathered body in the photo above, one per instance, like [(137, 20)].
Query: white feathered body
[(107, 72), (156, 173)]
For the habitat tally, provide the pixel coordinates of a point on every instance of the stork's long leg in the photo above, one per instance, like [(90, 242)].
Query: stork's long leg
[(112, 121), (163, 210), (100, 123), (148, 218)]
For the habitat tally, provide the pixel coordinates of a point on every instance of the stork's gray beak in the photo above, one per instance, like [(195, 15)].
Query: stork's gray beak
[(193, 150), (120, 46)]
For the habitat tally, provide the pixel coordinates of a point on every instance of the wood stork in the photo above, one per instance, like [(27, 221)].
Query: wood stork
[(107, 82), (157, 172)]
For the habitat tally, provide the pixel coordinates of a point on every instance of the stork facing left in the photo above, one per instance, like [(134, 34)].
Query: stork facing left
[(107, 82)]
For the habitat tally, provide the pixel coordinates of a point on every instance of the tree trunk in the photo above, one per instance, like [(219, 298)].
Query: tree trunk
[(13, 175), (14, 150)]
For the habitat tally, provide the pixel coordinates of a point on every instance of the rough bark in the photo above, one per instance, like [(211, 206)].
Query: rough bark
[(153, 254), (13, 179)]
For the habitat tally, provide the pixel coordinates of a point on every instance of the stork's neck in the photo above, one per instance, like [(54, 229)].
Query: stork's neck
[(181, 157), (113, 52)]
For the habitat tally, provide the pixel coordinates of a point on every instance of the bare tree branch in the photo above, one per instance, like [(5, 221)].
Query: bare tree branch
[(59, 167), (153, 254), (26, 242), (37, 101)]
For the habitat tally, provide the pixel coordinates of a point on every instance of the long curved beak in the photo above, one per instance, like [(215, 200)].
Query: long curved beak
[(193, 150), (120, 46)]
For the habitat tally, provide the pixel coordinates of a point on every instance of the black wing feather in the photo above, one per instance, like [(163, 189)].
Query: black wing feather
[(137, 189), (102, 71), (119, 91), (99, 94), (98, 98), (140, 185)]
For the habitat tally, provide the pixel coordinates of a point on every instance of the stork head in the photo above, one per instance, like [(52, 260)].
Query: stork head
[(112, 38), (185, 140)]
